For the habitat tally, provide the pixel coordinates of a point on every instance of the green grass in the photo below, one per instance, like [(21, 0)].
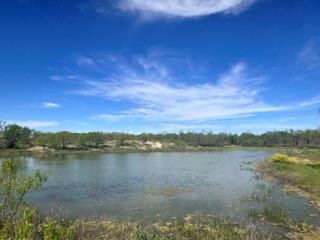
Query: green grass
[(303, 175), (297, 168), (191, 227), (30, 227), (275, 214)]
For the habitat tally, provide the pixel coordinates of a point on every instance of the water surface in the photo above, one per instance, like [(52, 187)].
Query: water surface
[(157, 185)]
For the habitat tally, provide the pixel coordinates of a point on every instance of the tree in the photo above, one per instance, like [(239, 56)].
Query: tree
[(2, 126), (65, 138), (15, 136), (92, 139)]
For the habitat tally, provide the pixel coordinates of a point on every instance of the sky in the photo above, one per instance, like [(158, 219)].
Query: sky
[(160, 66)]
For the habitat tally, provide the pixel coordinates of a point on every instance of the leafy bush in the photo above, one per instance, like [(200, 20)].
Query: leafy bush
[(13, 188), (15, 136), (15, 215)]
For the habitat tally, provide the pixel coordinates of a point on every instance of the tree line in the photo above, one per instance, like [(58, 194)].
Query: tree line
[(17, 137)]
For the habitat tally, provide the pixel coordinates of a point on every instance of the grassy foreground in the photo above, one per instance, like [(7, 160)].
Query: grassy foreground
[(191, 227), (297, 169)]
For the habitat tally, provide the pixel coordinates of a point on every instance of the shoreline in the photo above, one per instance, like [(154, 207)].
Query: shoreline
[(52, 151)]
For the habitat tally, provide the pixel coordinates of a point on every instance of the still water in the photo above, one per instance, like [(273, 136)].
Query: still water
[(158, 185)]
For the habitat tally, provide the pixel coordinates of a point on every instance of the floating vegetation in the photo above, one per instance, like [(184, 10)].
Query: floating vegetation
[(247, 166), (164, 191)]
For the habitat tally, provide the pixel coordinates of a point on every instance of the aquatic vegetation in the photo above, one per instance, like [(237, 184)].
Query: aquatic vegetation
[(275, 214), (191, 227), (254, 214), (260, 195), (247, 166), (165, 191)]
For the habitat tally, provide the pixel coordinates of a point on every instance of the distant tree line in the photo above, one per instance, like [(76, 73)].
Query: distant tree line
[(14, 136)]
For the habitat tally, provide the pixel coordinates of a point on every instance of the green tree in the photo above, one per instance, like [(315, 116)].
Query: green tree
[(15, 136), (63, 139), (2, 126), (92, 139)]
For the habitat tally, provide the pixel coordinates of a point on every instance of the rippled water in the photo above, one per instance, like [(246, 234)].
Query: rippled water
[(159, 185)]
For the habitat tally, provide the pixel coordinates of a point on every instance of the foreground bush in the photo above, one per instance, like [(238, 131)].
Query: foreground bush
[(13, 188)]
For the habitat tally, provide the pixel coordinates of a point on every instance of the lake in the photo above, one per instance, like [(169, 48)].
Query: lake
[(158, 185)]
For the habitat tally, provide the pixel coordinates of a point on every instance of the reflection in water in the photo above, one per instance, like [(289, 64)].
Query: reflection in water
[(148, 186)]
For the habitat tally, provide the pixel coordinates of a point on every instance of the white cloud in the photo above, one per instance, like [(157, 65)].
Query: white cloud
[(51, 105), (311, 102), (63, 78), (108, 117), (310, 54), (161, 88), (85, 61), (33, 123), (154, 97), (184, 8)]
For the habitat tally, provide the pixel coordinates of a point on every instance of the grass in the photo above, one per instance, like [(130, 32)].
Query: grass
[(284, 158), (273, 214), (298, 169), (193, 227), (301, 173)]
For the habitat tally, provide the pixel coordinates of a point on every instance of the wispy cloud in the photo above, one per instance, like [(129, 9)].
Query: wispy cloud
[(85, 61), (155, 95), (310, 54), (160, 88), (33, 123), (79, 123), (183, 8), (51, 105), (63, 77), (108, 117), (313, 101)]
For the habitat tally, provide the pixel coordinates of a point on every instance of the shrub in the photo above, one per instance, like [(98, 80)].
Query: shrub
[(16, 218)]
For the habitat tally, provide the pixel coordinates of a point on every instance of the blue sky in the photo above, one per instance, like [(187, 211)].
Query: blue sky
[(160, 66)]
